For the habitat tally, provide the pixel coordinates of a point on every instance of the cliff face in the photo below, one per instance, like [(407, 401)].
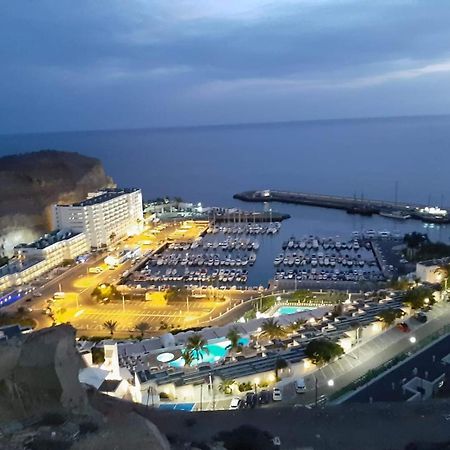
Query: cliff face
[(39, 376), (40, 372), (32, 182)]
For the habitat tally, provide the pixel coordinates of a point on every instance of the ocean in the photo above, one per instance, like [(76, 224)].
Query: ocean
[(361, 157)]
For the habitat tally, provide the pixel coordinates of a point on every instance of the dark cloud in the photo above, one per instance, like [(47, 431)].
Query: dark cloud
[(106, 64)]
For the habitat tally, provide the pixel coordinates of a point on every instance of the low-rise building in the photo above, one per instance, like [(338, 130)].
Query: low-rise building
[(431, 271), (104, 216), (38, 257)]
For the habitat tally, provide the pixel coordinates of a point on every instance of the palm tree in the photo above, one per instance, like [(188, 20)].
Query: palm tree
[(226, 386), (196, 343), (280, 364), (111, 326), (187, 357), (233, 336), (293, 327), (271, 329), (142, 327), (442, 274)]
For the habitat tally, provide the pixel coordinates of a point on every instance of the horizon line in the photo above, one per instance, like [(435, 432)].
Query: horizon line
[(233, 124)]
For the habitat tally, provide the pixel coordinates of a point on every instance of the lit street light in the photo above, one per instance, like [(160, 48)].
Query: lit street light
[(331, 383), (412, 339)]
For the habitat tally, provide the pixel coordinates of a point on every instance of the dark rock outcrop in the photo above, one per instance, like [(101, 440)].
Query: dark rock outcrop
[(32, 182)]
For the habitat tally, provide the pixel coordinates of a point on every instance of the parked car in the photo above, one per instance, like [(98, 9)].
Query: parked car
[(235, 403), (421, 317), (249, 399), (276, 395), (300, 386), (403, 326), (264, 397)]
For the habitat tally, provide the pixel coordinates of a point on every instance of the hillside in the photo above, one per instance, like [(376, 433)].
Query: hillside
[(32, 182)]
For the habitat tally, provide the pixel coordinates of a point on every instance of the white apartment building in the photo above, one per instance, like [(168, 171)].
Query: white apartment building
[(103, 216), (34, 259)]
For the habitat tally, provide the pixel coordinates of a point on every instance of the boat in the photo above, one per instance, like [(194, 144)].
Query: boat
[(397, 215)]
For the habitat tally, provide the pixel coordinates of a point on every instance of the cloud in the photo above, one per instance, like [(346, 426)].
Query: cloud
[(292, 84), (195, 56)]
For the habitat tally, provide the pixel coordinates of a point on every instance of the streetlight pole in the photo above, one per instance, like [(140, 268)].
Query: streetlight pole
[(317, 391), (123, 303)]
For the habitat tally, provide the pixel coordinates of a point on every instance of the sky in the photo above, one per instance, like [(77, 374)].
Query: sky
[(107, 64)]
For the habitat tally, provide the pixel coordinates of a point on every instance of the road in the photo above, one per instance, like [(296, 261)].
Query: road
[(365, 357), (87, 316)]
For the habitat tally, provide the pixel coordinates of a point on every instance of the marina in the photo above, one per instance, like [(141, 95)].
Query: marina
[(221, 258), (328, 259)]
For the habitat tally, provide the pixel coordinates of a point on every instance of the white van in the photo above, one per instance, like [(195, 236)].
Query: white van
[(95, 270), (300, 386), (58, 295)]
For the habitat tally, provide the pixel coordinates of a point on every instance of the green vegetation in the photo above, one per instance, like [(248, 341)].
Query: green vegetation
[(142, 327), (245, 386), (3, 260), (104, 292), (111, 326), (176, 294), (226, 386), (196, 343), (322, 351), (187, 357), (98, 355), (388, 316), (20, 318), (419, 297), (233, 336), (271, 329), (420, 248), (399, 284), (293, 327), (280, 364)]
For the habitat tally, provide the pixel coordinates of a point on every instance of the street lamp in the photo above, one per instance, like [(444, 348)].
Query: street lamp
[(330, 383), (412, 339)]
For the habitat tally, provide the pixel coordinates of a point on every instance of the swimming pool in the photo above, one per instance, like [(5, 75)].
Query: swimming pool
[(177, 406), (217, 350), (282, 310)]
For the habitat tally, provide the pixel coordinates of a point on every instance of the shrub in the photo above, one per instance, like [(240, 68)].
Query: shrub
[(53, 419), (88, 427)]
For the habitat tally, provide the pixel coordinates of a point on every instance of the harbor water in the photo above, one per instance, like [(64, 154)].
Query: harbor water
[(363, 158)]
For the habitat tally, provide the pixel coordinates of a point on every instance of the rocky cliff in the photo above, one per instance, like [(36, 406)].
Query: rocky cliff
[(42, 400), (32, 182)]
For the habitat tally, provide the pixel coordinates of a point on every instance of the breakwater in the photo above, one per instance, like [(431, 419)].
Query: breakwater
[(352, 205)]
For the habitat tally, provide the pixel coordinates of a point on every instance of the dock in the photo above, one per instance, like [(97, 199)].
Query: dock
[(352, 205)]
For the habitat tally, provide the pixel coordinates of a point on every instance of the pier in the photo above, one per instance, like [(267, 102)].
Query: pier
[(352, 205)]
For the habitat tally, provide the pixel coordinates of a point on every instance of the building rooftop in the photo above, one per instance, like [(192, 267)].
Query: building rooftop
[(109, 385), (435, 262), (10, 331), (104, 196), (49, 239)]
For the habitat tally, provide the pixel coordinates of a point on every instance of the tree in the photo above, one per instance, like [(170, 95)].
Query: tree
[(226, 386), (234, 337), (142, 327), (271, 329), (105, 291), (293, 327), (322, 351), (111, 326), (187, 357), (176, 294), (280, 364), (196, 343), (418, 297), (338, 310), (388, 316)]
